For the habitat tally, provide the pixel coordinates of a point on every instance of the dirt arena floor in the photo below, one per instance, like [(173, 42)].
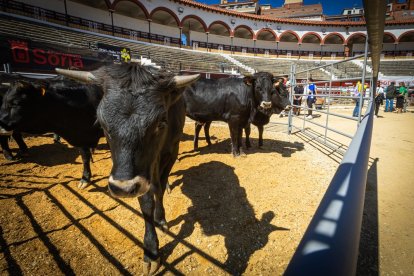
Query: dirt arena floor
[(226, 215)]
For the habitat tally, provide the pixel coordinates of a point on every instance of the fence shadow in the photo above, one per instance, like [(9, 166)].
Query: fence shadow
[(368, 262)]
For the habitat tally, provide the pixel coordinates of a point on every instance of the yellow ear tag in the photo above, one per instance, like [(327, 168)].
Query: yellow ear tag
[(43, 91)]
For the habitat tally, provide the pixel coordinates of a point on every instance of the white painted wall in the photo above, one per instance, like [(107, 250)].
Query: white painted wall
[(129, 23), (165, 30), (333, 47), (405, 46), (86, 12), (56, 5), (288, 46)]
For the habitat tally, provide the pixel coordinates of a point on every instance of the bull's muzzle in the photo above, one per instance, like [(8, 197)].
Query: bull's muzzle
[(4, 132), (288, 107), (266, 105), (128, 188)]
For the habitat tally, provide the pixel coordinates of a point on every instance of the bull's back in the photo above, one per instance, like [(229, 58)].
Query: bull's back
[(217, 100)]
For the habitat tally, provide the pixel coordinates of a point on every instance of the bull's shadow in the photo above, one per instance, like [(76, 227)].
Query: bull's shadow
[(285, 149), (220, 206), (49, 155)]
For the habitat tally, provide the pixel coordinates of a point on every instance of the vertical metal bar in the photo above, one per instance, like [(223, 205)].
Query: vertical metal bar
[(66, 13), (112, 22), (363, 80), (292, 85), (181, 34), (329, 104), (304, 90)]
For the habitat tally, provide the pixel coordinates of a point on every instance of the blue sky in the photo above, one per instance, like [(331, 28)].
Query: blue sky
[(330, 7)]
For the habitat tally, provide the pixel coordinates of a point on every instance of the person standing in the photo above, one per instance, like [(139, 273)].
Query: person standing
[(311, 97), (357, 94), (297, 99), (389, 100), (379, 98), (404, 92), (401, 97)]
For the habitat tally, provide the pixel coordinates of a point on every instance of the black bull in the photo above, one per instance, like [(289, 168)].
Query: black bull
[(142, 114), (5, 135), (235, 101), (280, 102), (62, 106)]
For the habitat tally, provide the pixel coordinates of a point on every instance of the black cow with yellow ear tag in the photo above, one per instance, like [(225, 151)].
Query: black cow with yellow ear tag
[(60, 105)]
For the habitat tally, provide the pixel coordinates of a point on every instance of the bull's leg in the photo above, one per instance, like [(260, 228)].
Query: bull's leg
[(207, 132), (86, 175), (198, 127), (151, 254), (234, 135), (247, 130), (167, 162), (260, 136), (17, 136), (240, 140), (4, 143)]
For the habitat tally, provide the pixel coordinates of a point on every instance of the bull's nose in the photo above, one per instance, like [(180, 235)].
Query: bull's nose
[(288, 107), (266, 105), (128, 188)]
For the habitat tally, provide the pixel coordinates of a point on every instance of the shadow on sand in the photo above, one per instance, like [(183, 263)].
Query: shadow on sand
[(220, 207)]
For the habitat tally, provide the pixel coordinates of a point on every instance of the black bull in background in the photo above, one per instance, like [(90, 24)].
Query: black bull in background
[(5, 135), (235, 101), (59, 105), (258, 117), (142, 114)]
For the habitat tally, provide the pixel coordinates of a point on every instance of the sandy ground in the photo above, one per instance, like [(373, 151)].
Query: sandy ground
[(226, 215)]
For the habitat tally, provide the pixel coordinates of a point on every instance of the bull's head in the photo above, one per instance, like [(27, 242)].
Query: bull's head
[(136, 116), (19, 104), (280, 98), (262, 83)]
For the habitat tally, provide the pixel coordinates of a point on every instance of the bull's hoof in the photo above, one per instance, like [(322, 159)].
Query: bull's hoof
[(168, 188), (83, 184), (162, 224), (8, 156), (151, 267)]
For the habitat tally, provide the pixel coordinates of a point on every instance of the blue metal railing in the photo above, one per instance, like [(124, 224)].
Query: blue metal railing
[(330, 244)]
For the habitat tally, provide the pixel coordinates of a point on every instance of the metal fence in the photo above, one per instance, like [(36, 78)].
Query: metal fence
[(330, 243)]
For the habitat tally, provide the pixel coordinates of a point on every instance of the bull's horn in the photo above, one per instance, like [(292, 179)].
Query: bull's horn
[(77, 75), (6, 83), (181, 81)]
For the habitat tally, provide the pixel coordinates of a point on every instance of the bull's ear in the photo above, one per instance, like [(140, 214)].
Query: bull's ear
[(248, 80)]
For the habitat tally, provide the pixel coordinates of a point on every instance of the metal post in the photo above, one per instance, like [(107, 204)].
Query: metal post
[(112, 22), (231, 48), (66, 13), (329, 104), (292, 85), (149, 30), (363, 80), (277, 48), (181, 34), (254, 47), (306, 109), (207, 41)]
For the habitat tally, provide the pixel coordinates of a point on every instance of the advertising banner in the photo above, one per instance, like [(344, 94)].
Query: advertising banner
[(25, 55)]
